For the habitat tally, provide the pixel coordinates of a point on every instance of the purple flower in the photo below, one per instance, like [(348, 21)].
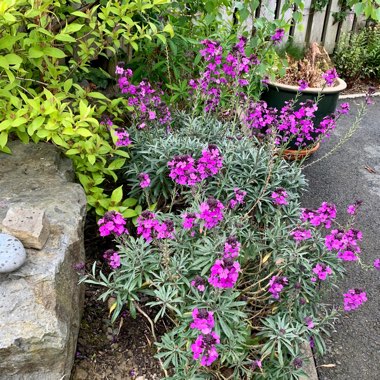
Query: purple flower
[(323, 215), (146, 102), (309, 322), (302, 85), (149, 227), (279, 197), (343, 109), (183, 170), (231, 247), (256, 364), (276, 285), (297, 363), (211, 212), (119, 70), (203, 320), (239, 197), (353, 299), (122, 137), (112, 222), (210, 163), (329, 76), (114, 261), (224, 273), (322, 271), (204, 347), (278, 36), (301, 234), (199, 283), (376, 264), (144, 180), (189, 220), (345, 243), (369, 96), (352, 209)]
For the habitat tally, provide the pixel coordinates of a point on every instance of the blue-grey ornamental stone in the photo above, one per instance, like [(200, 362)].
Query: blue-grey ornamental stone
[(12, 253)]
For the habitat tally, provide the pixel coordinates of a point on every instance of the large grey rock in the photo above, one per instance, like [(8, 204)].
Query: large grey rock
[(12, 253), (40, 304)]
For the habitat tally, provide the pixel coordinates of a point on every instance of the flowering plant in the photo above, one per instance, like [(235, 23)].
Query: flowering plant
[(227, 256)]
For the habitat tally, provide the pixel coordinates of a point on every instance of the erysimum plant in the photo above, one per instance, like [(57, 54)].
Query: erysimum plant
[(224, 254)]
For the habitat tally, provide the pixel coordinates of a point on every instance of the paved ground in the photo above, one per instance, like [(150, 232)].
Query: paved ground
[(354, 348)]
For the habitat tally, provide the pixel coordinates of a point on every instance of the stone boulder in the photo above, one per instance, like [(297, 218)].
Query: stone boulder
[(41, 302)]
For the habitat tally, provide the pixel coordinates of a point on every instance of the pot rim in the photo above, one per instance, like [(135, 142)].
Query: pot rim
[(312, 90)]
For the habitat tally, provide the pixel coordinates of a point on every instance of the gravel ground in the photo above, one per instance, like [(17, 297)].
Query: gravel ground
[(353, 173)]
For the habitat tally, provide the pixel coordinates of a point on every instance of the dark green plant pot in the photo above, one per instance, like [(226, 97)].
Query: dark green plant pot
[(277, 94)]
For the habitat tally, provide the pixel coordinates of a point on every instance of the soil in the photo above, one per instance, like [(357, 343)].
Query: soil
[(122, 351), (360, 86)]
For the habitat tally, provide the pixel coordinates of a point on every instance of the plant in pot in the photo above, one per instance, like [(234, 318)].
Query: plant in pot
[(312, 78)]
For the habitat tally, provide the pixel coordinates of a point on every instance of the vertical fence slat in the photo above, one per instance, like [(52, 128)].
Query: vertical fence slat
[(288, 16), (300, 29), (268, 9), (317, 27), (348, 23), (331, 28)]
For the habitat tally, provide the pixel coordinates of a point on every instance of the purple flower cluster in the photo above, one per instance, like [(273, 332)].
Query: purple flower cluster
[(325, 214), (353, 299), (112, 223), (239, 197), (303, 85), (279, 197), (309, 322), (199, 283), (144, 180), (345, 243), (300, 234), (344, 109), (147, 102), (260, 118), (292, 125), (203, 320), (149, 227), (276, 285), (231, 247), (376, 264), (211, 212), (184, 170), (330, 76), (224, 273), (278, 36), (112, 258), (122, 137), (229, 72), (204, 348), (352, 209), (322, 271)]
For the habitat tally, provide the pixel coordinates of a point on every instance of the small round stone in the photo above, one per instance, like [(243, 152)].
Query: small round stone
[(12, 253)]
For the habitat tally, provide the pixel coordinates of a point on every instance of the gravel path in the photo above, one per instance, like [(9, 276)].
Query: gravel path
[(354, 349)]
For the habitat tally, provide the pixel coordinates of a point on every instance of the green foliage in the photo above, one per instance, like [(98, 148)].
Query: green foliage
[(46, 47), (158, 274), (357, 55)]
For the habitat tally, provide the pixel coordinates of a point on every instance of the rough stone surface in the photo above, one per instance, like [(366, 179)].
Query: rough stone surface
[(353, 350), (12, 253), (30, 225), (40, 304)]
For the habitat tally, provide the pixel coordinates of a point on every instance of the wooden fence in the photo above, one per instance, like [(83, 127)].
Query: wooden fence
[(316, 26)]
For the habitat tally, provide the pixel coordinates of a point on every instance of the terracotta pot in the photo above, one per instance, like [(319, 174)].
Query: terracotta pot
[(298, 155)]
